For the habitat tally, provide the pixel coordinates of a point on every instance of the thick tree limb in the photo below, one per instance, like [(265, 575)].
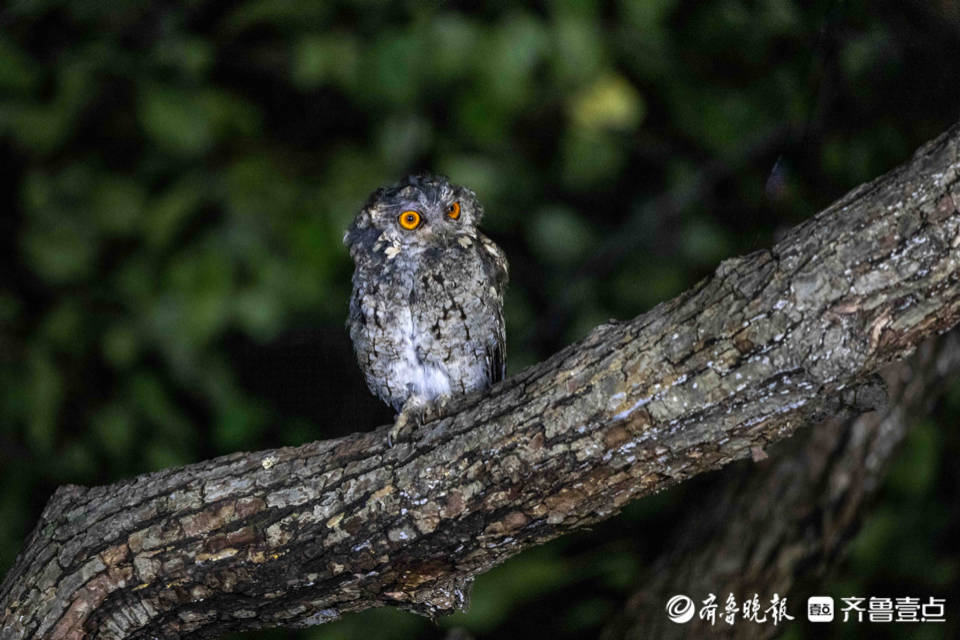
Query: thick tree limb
[(296, 536), (765, 530)]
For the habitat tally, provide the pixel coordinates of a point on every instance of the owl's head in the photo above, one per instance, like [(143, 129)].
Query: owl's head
[(419, 212)]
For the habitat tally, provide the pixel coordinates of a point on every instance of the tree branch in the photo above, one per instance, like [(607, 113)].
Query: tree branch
[(297, 536), (768, 527)]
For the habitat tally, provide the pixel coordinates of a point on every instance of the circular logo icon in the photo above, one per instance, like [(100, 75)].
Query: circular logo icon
[(680, 609)]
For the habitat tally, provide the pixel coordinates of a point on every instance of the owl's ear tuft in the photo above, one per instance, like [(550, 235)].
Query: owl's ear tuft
[(363, 220), (470, 198), (361, 233), (375, 197)]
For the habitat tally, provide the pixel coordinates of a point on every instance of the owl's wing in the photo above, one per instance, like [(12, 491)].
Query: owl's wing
[(494, 263), (496, 268), (498, 353)]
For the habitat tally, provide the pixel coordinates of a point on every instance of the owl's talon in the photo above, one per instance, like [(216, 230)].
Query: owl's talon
[(436, 409), (414, 414), (403, 427)]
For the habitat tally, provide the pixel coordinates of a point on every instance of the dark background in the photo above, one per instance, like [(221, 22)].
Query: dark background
[(177, 177)]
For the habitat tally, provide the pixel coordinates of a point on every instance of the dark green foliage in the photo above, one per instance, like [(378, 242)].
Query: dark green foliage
[(178, 178)]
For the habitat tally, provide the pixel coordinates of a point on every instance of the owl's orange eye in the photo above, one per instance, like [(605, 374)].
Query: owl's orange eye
[(454, 210), (409, 220)]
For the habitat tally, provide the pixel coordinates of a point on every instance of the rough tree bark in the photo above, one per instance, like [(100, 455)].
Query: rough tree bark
[(297, 536), (779, 525)]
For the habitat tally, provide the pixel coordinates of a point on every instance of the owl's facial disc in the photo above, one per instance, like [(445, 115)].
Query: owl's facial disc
[(420, 212), (417, 227), (430, 222)]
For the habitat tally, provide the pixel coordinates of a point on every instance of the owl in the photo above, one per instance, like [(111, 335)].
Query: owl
[(426, 312)]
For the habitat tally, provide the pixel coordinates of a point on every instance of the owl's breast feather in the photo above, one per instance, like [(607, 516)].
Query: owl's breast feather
[(423, 378)]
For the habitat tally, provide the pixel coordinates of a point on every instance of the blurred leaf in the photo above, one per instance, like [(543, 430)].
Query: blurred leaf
[(718, 119), (120, 346), (587, 318), (45, 393), (514, 50), (646, 36), (60, 252), (703, 242), (559, 235), (154, 406), (95, 14), (578, 50), (63, 327), (118, 204), (591, 159), (456, 37), (482, 117), (287, 14), (782, 17), (74, 460), (641, 287), (160, 454), (402, 139), (255, 187), (176, 120), (189, 122), (618, 569), (322, 59), (483, 175), (259, 313), (914, 470), (238, 424), (18, 72), (863, 52), (394, 69), (9, 309), (588, 613), (196, 304), (171, 209), (519, 313), (13, 508), (191, 56), (229, 115), (41, 128), (135, 282), (610, 102)]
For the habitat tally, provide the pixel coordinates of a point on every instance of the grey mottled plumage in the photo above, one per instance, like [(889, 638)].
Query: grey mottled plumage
[(426, 313)]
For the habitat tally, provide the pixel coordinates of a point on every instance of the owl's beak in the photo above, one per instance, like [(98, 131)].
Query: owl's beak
[(441, 233)]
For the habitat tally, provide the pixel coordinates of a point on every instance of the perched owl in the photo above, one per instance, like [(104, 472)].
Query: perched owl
[(426, 313)]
